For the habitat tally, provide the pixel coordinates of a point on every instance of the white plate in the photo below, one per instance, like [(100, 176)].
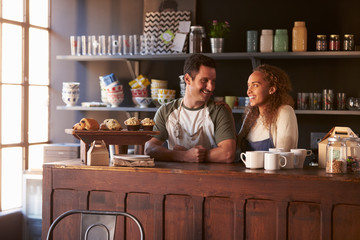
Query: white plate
[(132, 157)]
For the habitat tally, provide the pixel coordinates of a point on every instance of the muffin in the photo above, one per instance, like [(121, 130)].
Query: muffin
[(147, 124), (87, 124), (110, 124), (132, 124)]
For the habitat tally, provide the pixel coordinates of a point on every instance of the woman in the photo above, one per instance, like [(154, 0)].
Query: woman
[(269, 120)]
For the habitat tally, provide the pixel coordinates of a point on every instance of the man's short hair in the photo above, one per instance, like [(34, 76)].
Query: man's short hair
[(193, 63)]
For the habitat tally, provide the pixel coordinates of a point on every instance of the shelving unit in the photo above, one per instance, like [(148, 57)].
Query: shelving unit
[(133, 62), (255, 58), (154, 109)]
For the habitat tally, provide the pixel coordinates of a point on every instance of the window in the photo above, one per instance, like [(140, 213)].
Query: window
[(24, 93)]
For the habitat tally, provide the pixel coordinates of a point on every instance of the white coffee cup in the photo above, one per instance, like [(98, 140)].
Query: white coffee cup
[(272, 161), (276, 150), (300, 155), (254, 159), (291, 160)]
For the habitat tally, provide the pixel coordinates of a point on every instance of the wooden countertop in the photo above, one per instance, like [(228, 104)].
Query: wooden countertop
[(234, 169)]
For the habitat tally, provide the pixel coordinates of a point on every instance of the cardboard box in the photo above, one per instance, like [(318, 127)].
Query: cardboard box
[(342, 132)]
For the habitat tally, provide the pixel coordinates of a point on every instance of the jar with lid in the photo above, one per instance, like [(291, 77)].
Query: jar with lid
[(266, 40), (196, 41), (281, 40), (349, 43), (299, 37), (334, 43), (352, 154), (252, 41), (321, 43), (336, 155)]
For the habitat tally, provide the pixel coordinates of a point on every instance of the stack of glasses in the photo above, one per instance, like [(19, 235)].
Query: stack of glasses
[(113, 45)]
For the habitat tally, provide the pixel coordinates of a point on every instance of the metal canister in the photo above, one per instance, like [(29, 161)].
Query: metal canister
[(349, 43), (196, 43), (328, 99), (321, 43), (334, 43)]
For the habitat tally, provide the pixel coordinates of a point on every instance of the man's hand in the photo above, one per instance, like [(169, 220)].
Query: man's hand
[(195, 154)]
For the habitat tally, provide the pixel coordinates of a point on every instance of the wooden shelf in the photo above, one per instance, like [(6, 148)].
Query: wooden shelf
[(218, 56), (154, 109), (107, 109)]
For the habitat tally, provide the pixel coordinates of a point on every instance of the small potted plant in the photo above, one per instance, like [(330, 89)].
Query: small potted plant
[(218, 31)]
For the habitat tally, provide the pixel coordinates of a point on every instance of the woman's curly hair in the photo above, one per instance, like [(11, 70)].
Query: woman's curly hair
[(280, 80)]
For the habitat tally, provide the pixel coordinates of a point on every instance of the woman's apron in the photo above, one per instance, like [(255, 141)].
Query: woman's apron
[(186, 135), (262, 145)]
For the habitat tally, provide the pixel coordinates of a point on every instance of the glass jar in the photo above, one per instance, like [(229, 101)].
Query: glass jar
[(252, 41), (196, 42), (336, 155), (321, 43), (266, 40), (299, 37), (334, 43), (349, 43), (281, 40), (352, 154)]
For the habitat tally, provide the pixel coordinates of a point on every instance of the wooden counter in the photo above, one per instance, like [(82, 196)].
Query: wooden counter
[(207, 201)]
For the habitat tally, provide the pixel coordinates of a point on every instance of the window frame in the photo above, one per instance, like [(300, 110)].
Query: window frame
[(25, 86)]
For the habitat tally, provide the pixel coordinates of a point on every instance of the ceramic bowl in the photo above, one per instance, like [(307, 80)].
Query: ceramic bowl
[(169, 92), (139, 92), (155, 83), (144, 102), (114, 87), (115, 99), (71, 85), (164, 100), (70, 99)]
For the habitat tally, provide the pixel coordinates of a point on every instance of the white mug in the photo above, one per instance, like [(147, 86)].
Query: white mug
[(276, 150), (254, 159), (300, 155), (272, 161), (291, 160)]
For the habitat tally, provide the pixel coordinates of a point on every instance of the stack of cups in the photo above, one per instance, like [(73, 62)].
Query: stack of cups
[(138, 92), (70, 93), (166, 95), (155, 86), (182, 86), (115, 94), (105, 81)]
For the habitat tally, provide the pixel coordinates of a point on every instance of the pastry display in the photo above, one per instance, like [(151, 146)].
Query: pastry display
[(147, 124), (132, 124), (87, 124), (110, 124)]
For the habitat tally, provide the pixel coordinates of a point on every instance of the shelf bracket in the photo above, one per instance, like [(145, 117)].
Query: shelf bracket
[(255, 62), (134, 70)]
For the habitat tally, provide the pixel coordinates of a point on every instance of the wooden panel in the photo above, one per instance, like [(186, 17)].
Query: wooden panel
[(304, 221), (179, 218), (109, 201), (260, 220), (219, 218), (64, 200), (141, 205), (346, 220)]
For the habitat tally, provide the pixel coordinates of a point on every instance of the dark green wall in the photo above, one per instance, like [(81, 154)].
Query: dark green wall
[(124, 16)]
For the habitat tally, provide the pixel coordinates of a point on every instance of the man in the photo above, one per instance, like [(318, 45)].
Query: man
[(196, 129)]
